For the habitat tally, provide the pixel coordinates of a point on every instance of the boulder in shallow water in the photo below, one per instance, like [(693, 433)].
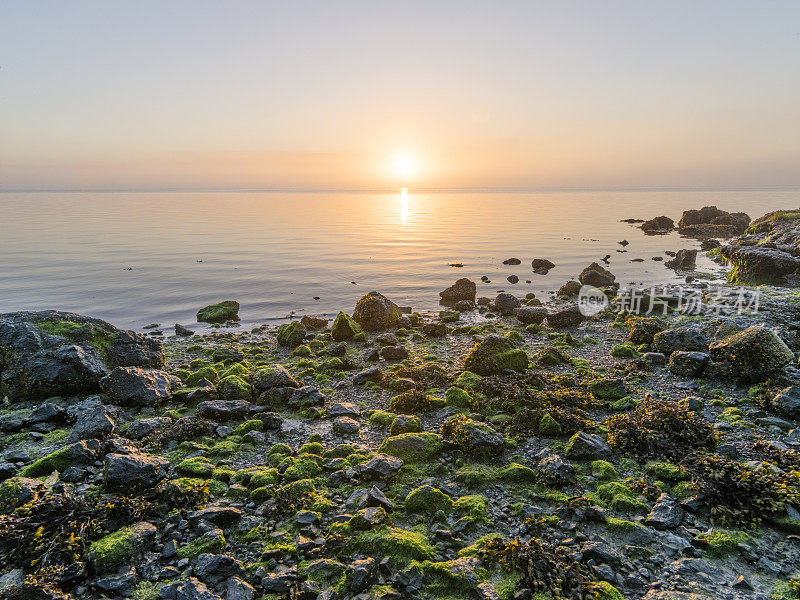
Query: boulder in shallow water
[(658, 225), (463, 289), (375, 312), (759, 264), (52, 353), (227, 310)]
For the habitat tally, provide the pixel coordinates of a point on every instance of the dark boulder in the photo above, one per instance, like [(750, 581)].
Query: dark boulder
[(132, 386), (375, 312), (463, 289)]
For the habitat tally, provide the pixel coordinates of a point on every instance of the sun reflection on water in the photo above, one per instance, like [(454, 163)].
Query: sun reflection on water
[(404, 205)]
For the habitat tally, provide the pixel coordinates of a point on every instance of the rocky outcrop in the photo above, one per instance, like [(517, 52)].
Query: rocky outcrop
[(759, 264), (658, 225), (52, 353), (711, 221), (755, 353), (132, 386), (375, 312)]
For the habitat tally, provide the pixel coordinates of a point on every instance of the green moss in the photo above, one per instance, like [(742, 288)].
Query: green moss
[(607, 491), (413, 447), (102, 339), (467, 380), (428, 499), (208, 373), (55, 461), (626, 504), (291, 334), (666, 471), (551, 356), (302, 351), (303, 466), (624, 351), (340, 451), (606, 591), (474, 507), (620, 526), (381, 418), (312, 448), (603, 470), (114, 550), (280, 450), (606, 389), (473, 475), (248, 426), (549, 427), (145, 590), (414, 402), (721, 543), (457, 397), (202, 545), (345, 328), (401, 544), (227, 310), (233, 386), (264, 477), (299, 488), (198, 466), (409, 424), (515, 472)]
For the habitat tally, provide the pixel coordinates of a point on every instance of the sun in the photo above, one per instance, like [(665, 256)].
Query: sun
[(405, 165)]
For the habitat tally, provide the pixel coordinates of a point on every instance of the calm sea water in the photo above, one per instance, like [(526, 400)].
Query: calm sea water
[(140, 258)]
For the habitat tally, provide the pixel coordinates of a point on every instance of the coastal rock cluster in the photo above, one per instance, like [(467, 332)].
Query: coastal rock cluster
[(503, 448)]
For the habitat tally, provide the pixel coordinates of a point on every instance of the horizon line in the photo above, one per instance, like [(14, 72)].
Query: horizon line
[(411, 189)]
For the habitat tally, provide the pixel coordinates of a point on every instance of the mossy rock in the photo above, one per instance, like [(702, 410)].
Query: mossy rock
[(493, 355), (606, 591), (234, 387), (118, 548), (55, 461), (457, 397), (413, 447), (428, 499), (608, 491), (208, 373), (666, 471), (607, 389), (468, 380), (604, 470), (291, 334), (375, 312), (228, 310), (344, 328), (405, 424), (208, 544), (381, 418), (474, 507), (551, 357), (414, 402), (626, 504), (400, 544), (624, 351), (16, 491), (549, 427), (197, 466)]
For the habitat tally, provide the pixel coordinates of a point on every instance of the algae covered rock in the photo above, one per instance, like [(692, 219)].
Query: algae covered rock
[(472, 437), (52, 353), (133, 472), (291, 334), (566, 317), (493, 355), (274, 376), (344, 328), (118, 548), (755, 353), (375, 312), (428, 499), (587, 446), (17, 491), (413, 447), (227, 310), (608, 389)]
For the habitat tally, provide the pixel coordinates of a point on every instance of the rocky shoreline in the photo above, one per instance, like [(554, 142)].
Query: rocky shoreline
[(505, 448)]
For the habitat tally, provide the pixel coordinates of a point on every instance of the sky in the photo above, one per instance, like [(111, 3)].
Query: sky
[(146, 95)]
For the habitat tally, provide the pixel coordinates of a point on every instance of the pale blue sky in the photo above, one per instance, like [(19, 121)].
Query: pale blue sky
[(146, 95)]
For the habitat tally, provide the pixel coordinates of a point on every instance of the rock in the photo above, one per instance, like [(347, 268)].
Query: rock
[(566, 317), (711, 215), (96, 422), (375, 312), (344, 409), (194, 589), (372, 373), (306, 397), (215, 567), (542, 263), (569, 289), (413, 447), (658, 225), (223, 410), (133, 472), (531, 314), (512, 261), (473, 437), (656, 358), (16, 491), (435, 329), (182, 331), (787, 402), (275, 376), (688, 363), (344, 328), (290, 335), (279, 583), (596, 276), (132, 386), (366, 497), (512, 279), (666, 513), (380, 466), (755, 353), (493, 355), (222, 516), (346, 425), (554, 470), (46, 412), (393, 353), (684, 260), (405, 424), (238, 589), (759, 264), (227, 310), (506, 304), (644, 330), (463, 289), (608, 388), (587, 446), (313, 323), (51, 353), (141, 428), (601, 553), (359, 573), (692, 337)]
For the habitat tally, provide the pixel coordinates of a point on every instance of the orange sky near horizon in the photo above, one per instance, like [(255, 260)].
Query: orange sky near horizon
[(314, 96)]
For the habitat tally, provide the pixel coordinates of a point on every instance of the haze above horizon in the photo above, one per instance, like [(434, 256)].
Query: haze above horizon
[(371, 96)]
